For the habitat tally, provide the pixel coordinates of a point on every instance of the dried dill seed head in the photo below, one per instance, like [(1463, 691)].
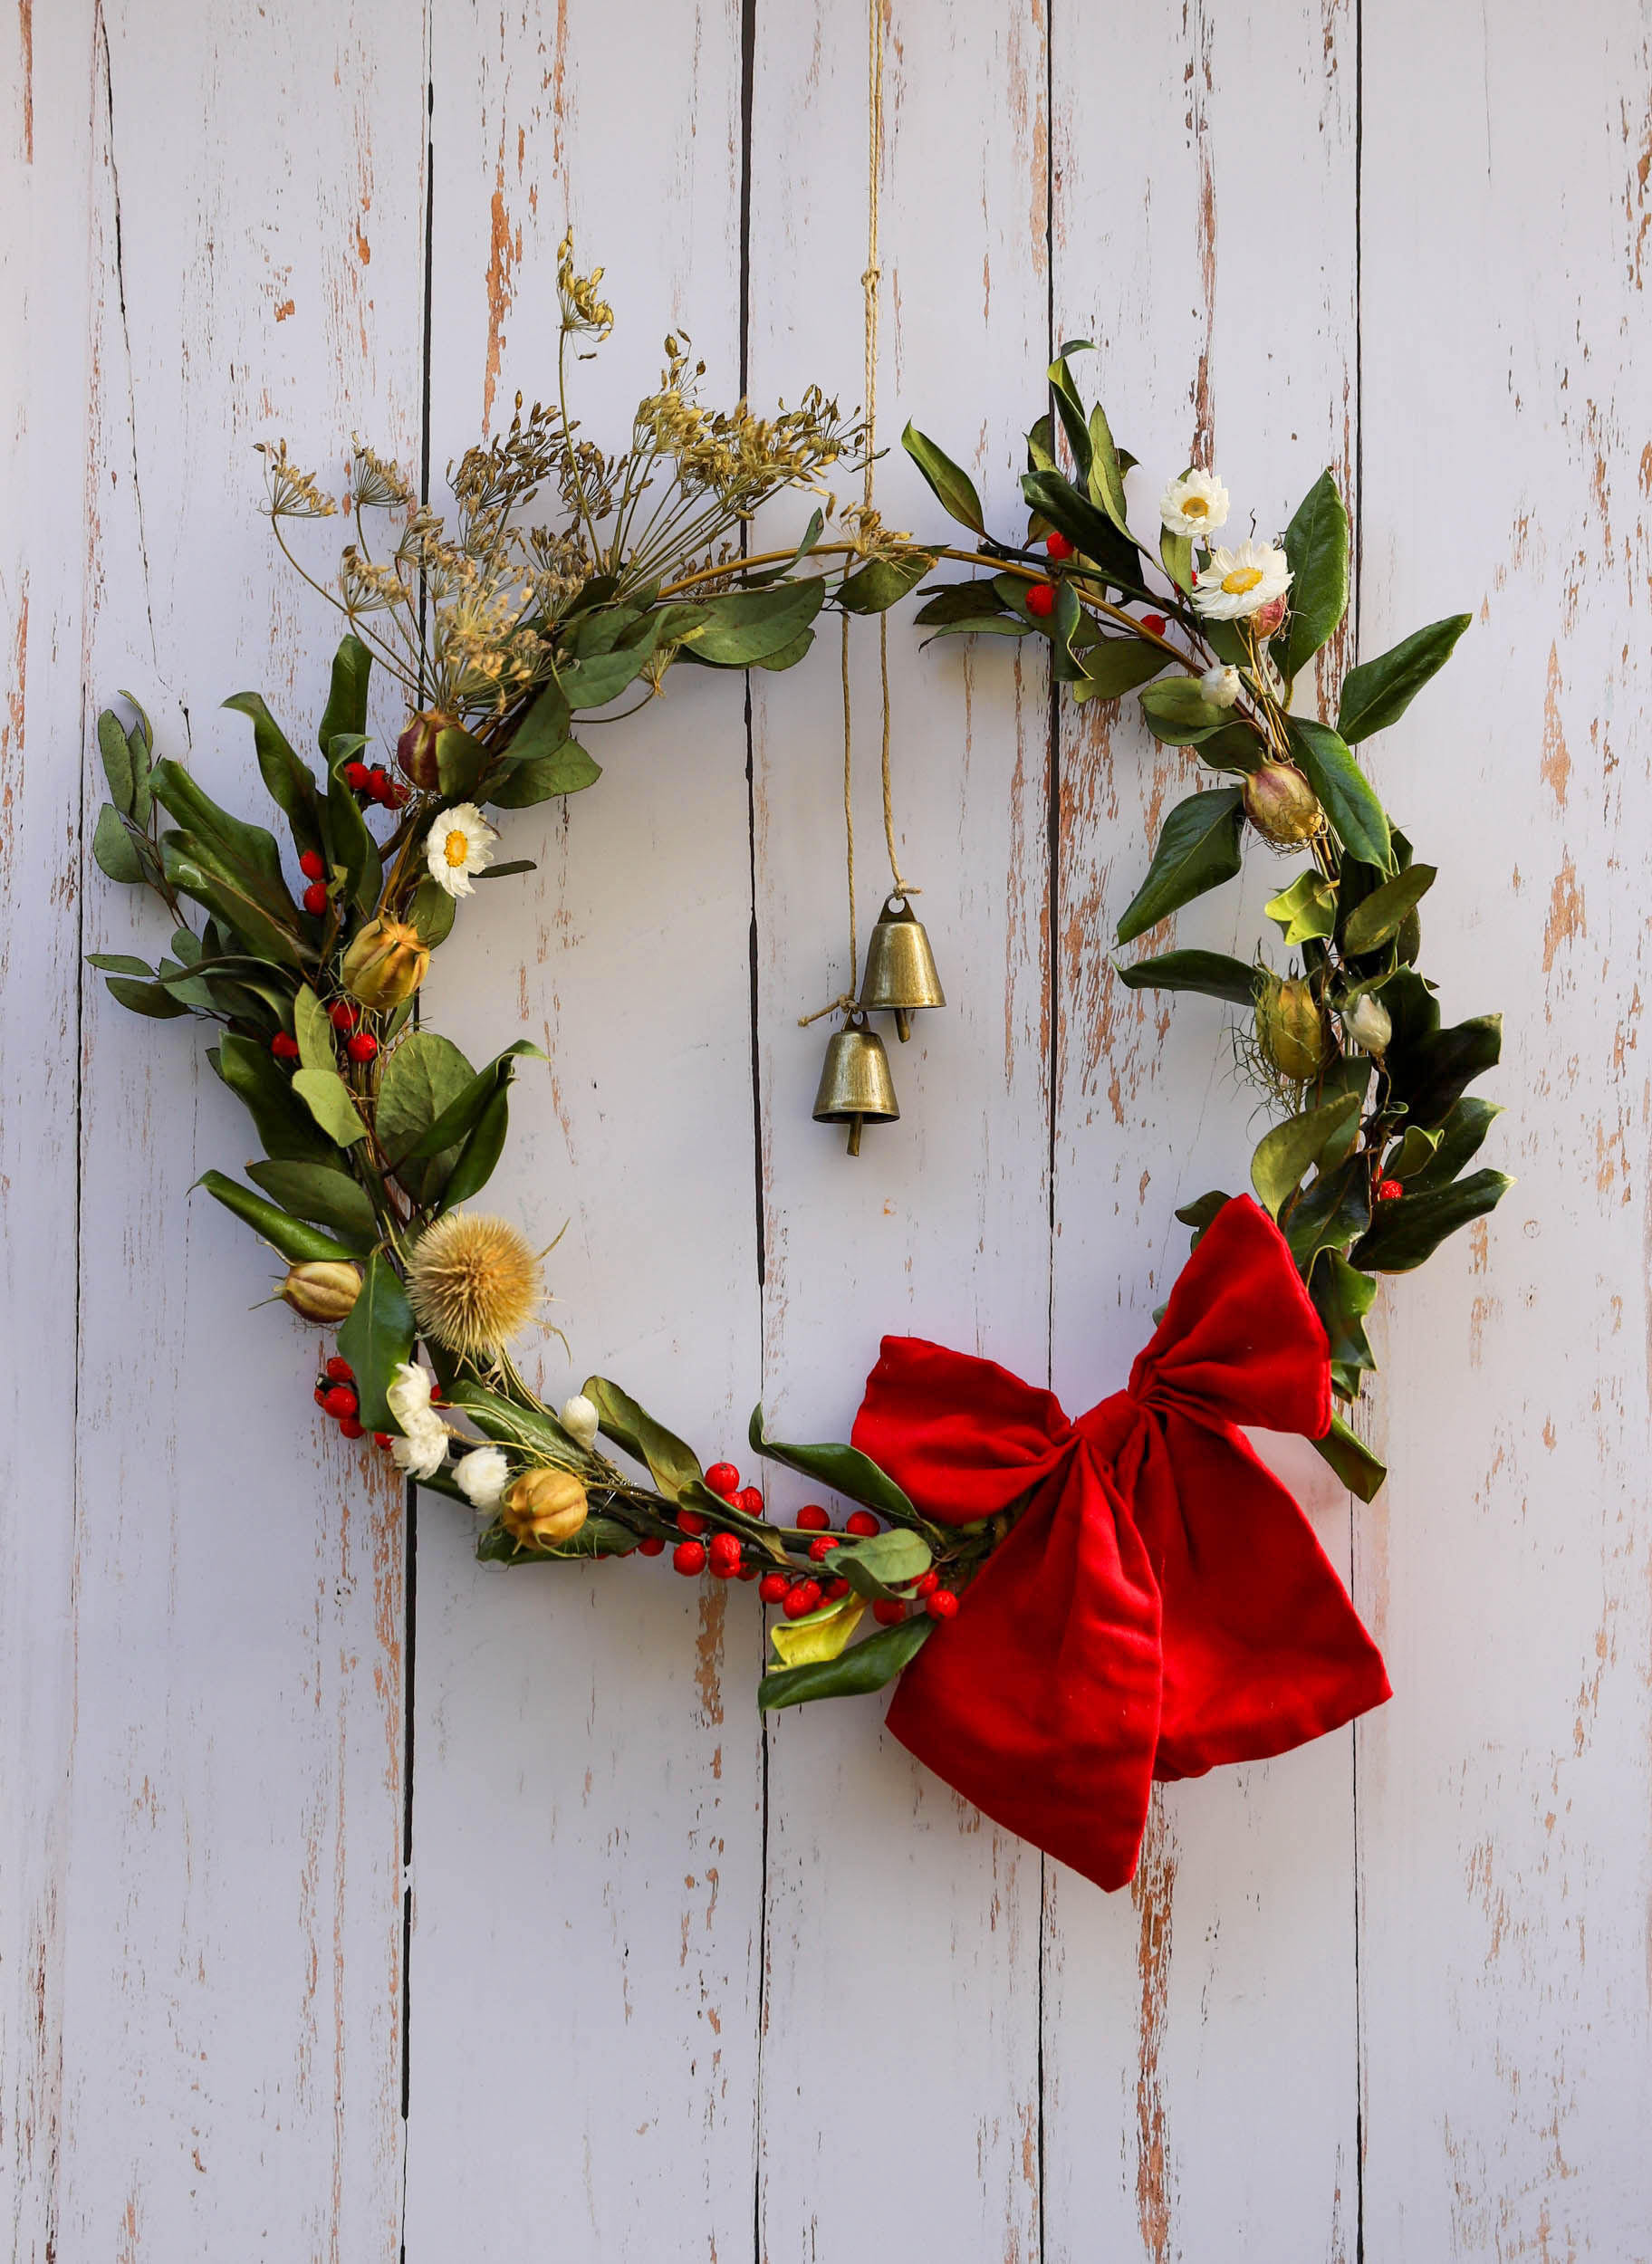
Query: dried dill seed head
[(474, 1283)]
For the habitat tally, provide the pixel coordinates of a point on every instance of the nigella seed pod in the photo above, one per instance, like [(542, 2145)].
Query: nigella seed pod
[(543, 1508), (416, 748), (385, 964), (1281, 805), (1289, 1029), (1267, 619), (322, 1290)]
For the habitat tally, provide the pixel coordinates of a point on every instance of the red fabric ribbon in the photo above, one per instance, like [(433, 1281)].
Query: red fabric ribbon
[(1162, 1603)]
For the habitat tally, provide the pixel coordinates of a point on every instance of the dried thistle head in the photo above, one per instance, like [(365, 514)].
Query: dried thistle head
[(291, 492), (583, 310), (474, 1283)]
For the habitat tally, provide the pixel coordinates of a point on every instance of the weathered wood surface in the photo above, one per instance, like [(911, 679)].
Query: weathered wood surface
[(680, 1985)]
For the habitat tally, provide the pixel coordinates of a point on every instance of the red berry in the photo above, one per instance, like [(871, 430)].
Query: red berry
[(942, 1604), (861, 1523), (1041, 601), (1057, 546), (381, 1439), (748, 1572), (812, 1519), (689, 1558), (315, 897), (690, 1521), (436, 1394), (751, 1501), (394, 795), (321, 1394), (340, 1401), (312, 864), (1389, 1191), (836, 1588), (343, 1015), (888, 1614), (773, 1587), (339, 1371), (723, 1478), (362, 1046), (819, 1551), (1154, 623), (927, 1582), (378, 784), (801, 1599), (355, 777), (284, 1046), (350, 1427), (652, 1547), (724, 1553)]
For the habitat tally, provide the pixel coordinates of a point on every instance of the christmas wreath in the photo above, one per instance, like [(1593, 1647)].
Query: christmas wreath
[(1078, 1607)]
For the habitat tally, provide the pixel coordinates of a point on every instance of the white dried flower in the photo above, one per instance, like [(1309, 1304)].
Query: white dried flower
[(1196, 504), (461, 844), (1220, 685), (481, 1476), (579, 1419)]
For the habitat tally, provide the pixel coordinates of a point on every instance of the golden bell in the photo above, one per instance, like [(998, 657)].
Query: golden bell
[(855, 1082), (900, 975)]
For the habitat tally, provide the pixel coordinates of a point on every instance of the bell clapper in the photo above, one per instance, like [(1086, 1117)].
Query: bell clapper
[(854, 1134)]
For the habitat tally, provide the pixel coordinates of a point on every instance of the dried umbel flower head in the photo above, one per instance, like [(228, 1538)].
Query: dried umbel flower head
[(543, 1508), (583, 310), (474, 1283), (1290, 1029), (1282, 806), (385, 964), (322, 1290), (292, 491)]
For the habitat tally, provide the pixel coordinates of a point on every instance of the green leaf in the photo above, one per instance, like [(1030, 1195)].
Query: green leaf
[(1070, 408), (457, 1120), (317, 1191), (1106, 478), (145, 998), (1349, 800), (1316, 543), (477, 1160), (866, 1667), (1203, 1213), (313, 1030), (954, 602), (1114, 666), (328, 1099), (748, 625), (593, 683), (297, 1242), (1342, 1296), (244, 854), (114, 847), (671, 1463), (192, 868), (811, 535), (954, 489), (1330, 1214), (877, 1565), (1431, 1072), (346, 709), (542, 729), (119, 963), (140, 747), (1380, 916), (1176, 553), (432, 911), (1460, 1138), (117, 761), (565, 770), (1352, 1460), (284, 1126), (423, 1076), (823, 1634), (460, 760), (1285, 1153), (376, 1337), (1377, 692), (1414, 1152), (1177, 712), (1115, 557), (534, 1430), (1306, 910), (883, 582), (1210, 973), (291, 784), (844, 1469), (1197, 849), (597, 1537), (1407, 1232)]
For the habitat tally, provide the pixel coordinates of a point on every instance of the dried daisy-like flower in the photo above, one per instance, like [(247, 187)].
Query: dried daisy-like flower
[(474, 1283)]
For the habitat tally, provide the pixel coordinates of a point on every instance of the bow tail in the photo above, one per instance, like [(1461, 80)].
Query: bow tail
[(1262, 1649), (1040, 1701)]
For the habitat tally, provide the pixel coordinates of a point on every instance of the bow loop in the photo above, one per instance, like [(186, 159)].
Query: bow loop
[(962, 1436)]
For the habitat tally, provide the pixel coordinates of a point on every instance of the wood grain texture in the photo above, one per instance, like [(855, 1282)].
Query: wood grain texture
[(586, 1820), (900, 2043), (1506, 1854), (232, 2002), (1221, 2073)]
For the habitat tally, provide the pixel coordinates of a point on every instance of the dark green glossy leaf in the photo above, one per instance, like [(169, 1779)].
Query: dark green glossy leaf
[(1285, 1153), (1209, 973), (1342, 1296), (669, 1460), (284, 1126), (844, 1469), (290, 782), (346, 709), (1349, 798), (1461, 1136), (1070, 408), (1116, 557), (432, 911), (1352, 1460), (565, 770), (297, 1242), (1406, 1232), (1316, 543), (145, 998), (245, 853), (1197, 849), (877, 1566), (377, 1336), (1431, 1072), (1203, 1213), (477, 1160), (853, 1674), (1377, 917), (115, 847), (954, 489), (193, 869), (1377, 692), (316, 1192), (883, 582), (1105, 481), (1332, 1212), (457, 1120), (534, 1430)]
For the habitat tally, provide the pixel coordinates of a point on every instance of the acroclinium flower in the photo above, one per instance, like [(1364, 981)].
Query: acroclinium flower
[(1238, 583), (1196, 504), (481, 1476), (474, 1283), (461, 844)]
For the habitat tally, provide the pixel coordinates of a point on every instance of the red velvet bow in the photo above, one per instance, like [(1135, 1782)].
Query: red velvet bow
[(1162, 1603)]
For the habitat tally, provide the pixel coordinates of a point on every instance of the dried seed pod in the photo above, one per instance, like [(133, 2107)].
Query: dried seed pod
[(385, 964), (416, 748), (323, 1290), (1282, 806), (1290, 1029), (543, 1508)]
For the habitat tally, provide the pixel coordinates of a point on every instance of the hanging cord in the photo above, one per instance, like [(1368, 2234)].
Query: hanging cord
[(845, 1002)]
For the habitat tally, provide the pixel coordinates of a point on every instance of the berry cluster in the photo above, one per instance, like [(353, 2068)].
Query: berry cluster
[(1041, 595), (335, 1396)]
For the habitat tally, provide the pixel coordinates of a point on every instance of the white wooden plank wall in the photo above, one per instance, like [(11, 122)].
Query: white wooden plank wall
[(677, 1984)]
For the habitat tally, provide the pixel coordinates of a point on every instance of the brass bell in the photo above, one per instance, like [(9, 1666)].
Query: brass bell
[(900, 975), (855, 1082)]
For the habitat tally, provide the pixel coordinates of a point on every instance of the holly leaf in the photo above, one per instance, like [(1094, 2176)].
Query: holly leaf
[(1306, 910)]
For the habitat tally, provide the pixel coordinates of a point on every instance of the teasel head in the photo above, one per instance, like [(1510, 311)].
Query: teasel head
[(474, 1283), (1282, 806)]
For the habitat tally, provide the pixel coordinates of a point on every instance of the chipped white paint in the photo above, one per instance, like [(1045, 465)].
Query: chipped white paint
[(677, 1988)]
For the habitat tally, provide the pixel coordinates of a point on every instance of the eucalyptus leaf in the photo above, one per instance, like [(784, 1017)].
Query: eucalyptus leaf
[(318, 1193), (145, 998), (328, 1099), (423, 1076), (114, 847), (313, 1030), (883, 582), (955, 602), (285, 1127), (457, 1120), (1203, 1213), (117, 761), (565, 770), (478, 1158), (1197, 849), (542, 729)]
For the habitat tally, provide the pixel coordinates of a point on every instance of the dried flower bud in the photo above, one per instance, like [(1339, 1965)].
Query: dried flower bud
[(1281, 805), (416, 748), (580, 1419), (1369, 1024), (1289, 1029), (385, 964), (323, 1290), (1267, 618), (543, 1508)]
